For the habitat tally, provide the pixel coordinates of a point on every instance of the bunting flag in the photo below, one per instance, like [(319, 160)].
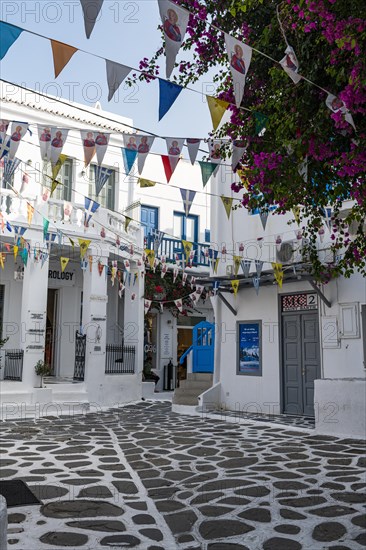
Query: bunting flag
[(174, 148), (101, 176), (214, 260), (62, 53), (44, 136), (187, 247), (18, 232), (239, 55), (261, 122), (143, 146), (237, 263), (84, 245), (24, 256), (100, 268), (88, 141), (215, 288), (146, 183), (227, 202), (187, 198), (194, 298), (296, 213), (193, 146), (8, 35), (128, 220), (235, 286), (101, 145), (4, 142), (90, 261), (15, 252), (58, 138), (175, 21), (245, 266), (158, 237), (336, 105), (164, 269), (167, 167), (258, 267), (207, 169), (129, 157), (256, 283), (57, 167), (290, 64), (217, 109), (54, 185), (179, 305), (147, 305), (121, 289), (67, 211), (113, 271), (90, 208), (168, 93), (10, 167), (239, 148), (64, 261), (278, 273), (2, 259), (215, 150), (83, 265), (17, 132), (30, 212), (127, 265), (150, 255), (116, 74), (91, 9), (263, 214), (175, 273)]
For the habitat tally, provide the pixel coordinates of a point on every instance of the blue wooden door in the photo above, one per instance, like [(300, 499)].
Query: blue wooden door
[(203, 347), (149, 219)]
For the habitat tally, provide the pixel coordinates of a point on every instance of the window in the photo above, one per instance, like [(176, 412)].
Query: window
[(106, 196), (2, 184), (207, 236), (185, 227), (62, 192), (2, 293)]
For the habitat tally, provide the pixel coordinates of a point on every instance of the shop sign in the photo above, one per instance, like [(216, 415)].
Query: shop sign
[(299, 302), (249, 351)]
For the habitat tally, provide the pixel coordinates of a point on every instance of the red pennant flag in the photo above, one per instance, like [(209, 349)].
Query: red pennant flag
[(167, 167)]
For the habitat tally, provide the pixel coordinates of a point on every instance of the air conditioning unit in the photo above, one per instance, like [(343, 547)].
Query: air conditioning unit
[(285, 254)]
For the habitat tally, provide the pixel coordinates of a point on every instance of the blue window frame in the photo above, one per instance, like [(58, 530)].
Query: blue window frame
[(149, 219), (185, 227)]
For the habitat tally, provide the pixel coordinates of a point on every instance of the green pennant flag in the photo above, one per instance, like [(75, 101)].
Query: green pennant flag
[(46, 223), (24, 255), (207, 169), (260, 122)]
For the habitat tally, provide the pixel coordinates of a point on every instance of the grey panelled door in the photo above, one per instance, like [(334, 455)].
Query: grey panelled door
[(301, 362)]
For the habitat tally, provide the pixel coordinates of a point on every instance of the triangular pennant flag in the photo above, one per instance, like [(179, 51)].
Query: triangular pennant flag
[(296, 212), (258, 267), (235, 286), (67, 211), (335, 104), (24, 256), (239, 55), (88, 140), (129, 157), (91, 9), (90, 208), (2, 259), (58, 138), (15, 252), (147, 305), (207, 169), (30, 212), (175, 21), (260, 122), (256, 283), (84, 245), (179, 305), (54, 185), (62, 53), (263, 217), (127, 265), (142, 143), (100, 268), (217, 109), (168, 93), (72, 243), (101, 176), (10, 166), (187, 247), (158, 237), (245, 265), (116, 74), (164, 269), (150, 255), (239, 147), (57, 167), (227, 202), (44, 136), (64, 261), (146, 183), (90, 260), (8, 35), (187, 198), (175, 273), (278, 273), (18, 131), (167, 167), (290, 64), (237, 262), (128, 220), (174, 148), (121, 289), (193, 146)]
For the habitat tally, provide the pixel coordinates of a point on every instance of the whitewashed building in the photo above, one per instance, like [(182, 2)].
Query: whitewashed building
[(297, 350)]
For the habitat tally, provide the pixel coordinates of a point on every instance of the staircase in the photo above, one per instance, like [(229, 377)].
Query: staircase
[(189, 389)]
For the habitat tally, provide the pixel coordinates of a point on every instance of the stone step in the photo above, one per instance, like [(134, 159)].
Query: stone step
[(195, 384), (187, 392), (202, 376), (185, 400)]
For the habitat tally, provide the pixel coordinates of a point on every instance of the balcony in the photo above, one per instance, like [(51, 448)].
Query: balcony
[(170, 247)]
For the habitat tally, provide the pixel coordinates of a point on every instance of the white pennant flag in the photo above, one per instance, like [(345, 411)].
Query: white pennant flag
[(193, 146), (336, 105), (3, 137), (174, 147), (116, 74), (214, 148), (88, 140), (179, 305), (44, 136), (18, 131), (187, 198), (147, 305), (58, 138), (175, 274), (141, 143), (290, 64), (101, 144), (175, 21), (239, 147), (239, 55)]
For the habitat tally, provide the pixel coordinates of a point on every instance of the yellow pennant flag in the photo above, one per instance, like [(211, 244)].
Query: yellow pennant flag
[(237, 260), (146, 183), (216, 264), (62, 53), (235, 286), (57, 167), (150, 255), (243, 177), (227, 202), (30, 212), (187, 246), (90, 259), (2, 260), (296, 213), (278, 273), (128, 220), (84, 245), (217, 109), (64, 261), (15, 251)]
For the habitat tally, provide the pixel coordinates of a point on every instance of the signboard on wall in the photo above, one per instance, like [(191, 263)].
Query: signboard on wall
[(167, 344), (57, 279), (302, 301), (249, 352)]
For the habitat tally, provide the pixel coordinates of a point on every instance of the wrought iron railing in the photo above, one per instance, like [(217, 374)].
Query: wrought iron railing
[(80, 349), (170, 247), (120, 359), (13, 364)]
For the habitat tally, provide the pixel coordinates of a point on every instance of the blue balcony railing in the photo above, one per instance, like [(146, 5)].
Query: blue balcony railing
[(170, 247)]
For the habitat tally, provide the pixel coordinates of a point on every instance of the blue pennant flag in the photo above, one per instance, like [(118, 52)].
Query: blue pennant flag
[(18, 232), (168, 94), (90, 208), (8, 227), (4, 147), (129, 157), (8, 35), (101, 176), (10, 166)]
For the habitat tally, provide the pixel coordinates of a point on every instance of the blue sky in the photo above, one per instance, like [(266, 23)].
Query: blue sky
[(125, 32)]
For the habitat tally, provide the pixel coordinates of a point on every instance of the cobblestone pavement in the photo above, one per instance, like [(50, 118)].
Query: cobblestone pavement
[(142, 477)]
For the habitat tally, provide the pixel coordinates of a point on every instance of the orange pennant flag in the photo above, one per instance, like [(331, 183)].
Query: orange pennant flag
[(62, 53), (30, 212), (2, 260)]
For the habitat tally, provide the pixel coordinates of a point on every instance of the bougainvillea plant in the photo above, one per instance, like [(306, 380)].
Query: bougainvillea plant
[(329, 38)]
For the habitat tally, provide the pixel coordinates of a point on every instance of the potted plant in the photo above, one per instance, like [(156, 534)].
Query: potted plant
[(42, 369)]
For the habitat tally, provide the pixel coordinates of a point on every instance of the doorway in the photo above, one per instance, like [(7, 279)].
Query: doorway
[(51, 342)]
